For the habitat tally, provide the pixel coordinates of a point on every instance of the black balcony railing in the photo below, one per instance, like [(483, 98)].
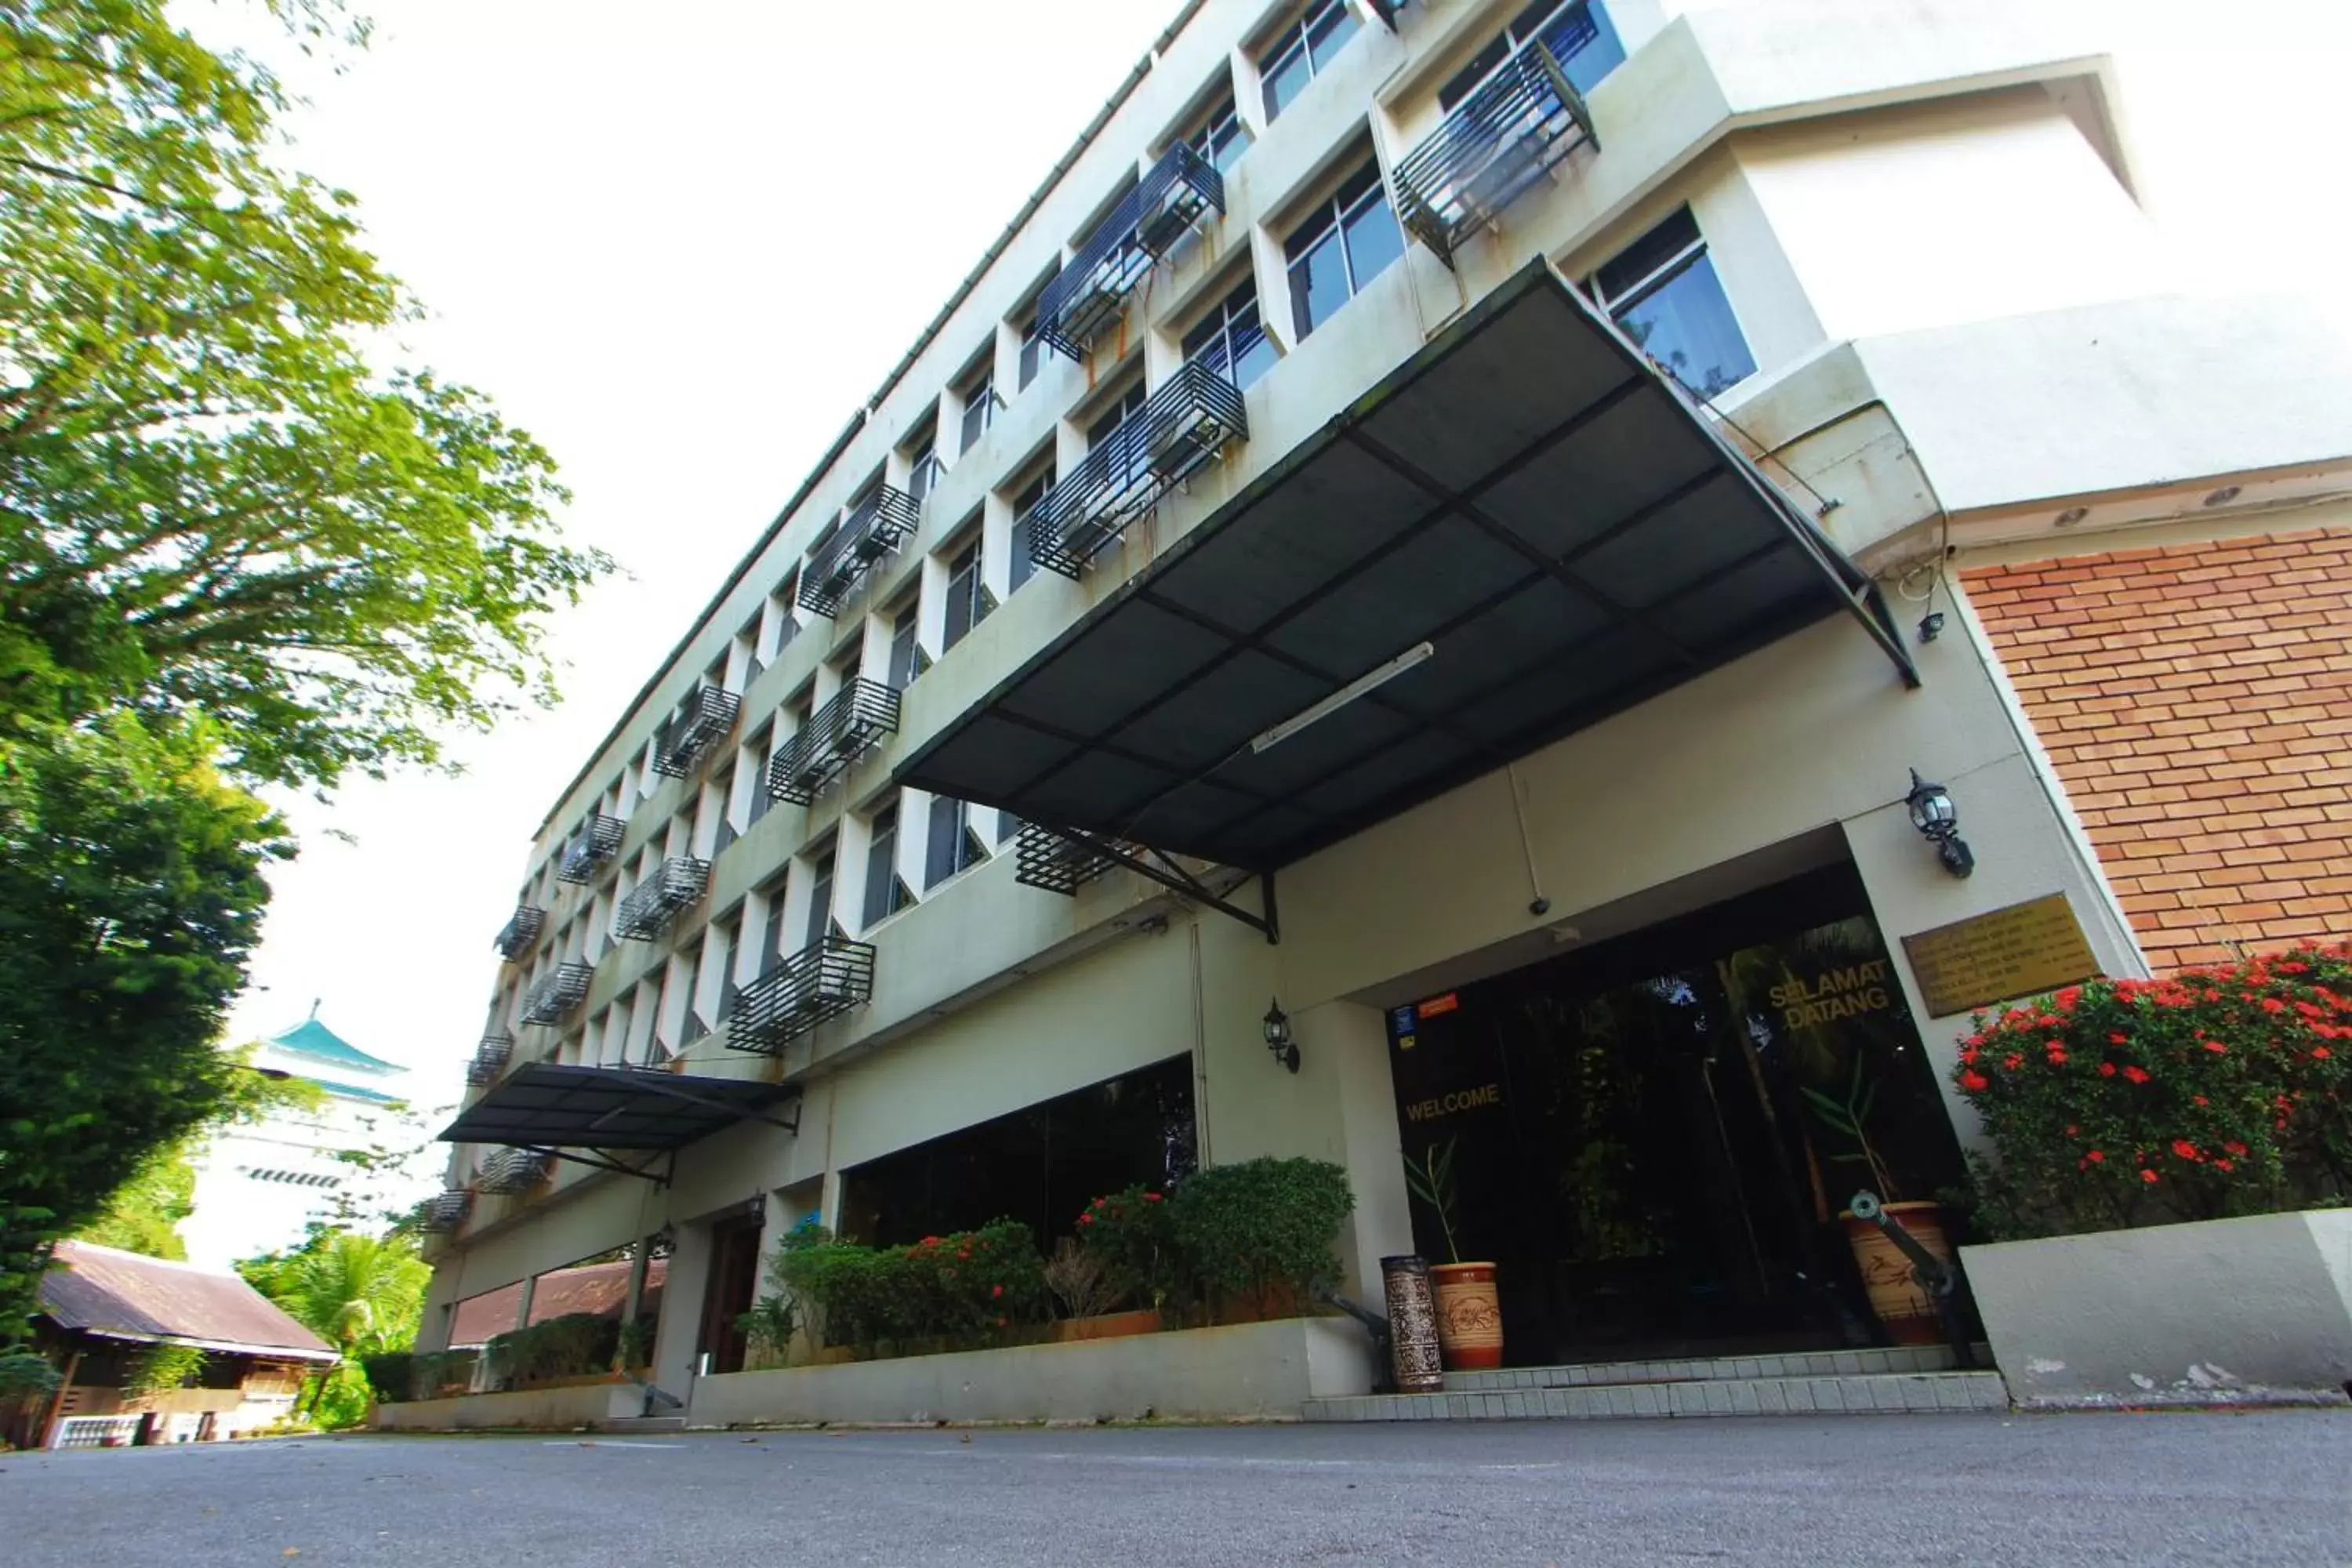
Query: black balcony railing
[(553, 998), (489, 1059), (676, 884), (598, 840), (511, 1170), (1090, 294), (823, 980), (707, 715), (1498, 142), (1043, 858), (1187, 422), (837, 735), (444, 1211), (518, 935), (874, 527)]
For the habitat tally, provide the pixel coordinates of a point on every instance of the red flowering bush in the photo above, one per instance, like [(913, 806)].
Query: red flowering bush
[(2206, 1094), (1130, 1232), (968, 1287)]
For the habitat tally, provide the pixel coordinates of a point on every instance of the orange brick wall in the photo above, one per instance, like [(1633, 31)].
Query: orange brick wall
[(2197, 701)]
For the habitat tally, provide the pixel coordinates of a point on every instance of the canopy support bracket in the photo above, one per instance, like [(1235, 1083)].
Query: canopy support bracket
[(1177, 879), (654, 1082), (600, 1163)]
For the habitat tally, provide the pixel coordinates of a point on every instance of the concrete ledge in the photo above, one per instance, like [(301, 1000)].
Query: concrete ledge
[(556, 1409), (1249, 1370), (2231, 1311)]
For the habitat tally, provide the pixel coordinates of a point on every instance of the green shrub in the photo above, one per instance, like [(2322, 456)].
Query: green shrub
[(969, 1287), (1260, 1233), (574, 1345), (2211, 1093), (1133, 1234), (163, 1368), (24, 1375), (391, 1375)]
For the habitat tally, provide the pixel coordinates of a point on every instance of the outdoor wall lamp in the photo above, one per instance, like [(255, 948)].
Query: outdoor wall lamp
[(1278, 1036), (1939, 822)]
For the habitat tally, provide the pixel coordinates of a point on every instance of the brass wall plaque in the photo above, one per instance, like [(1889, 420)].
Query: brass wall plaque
[(2000, 956)]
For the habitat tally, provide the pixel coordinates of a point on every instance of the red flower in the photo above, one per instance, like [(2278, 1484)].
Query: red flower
[(2057, 1058), (996, 1290), (1085, 1219), (2012, 1062), (2319, 1053), (1975, 1083), (2217, 1047), (2106, 1069), (2066, 997), (2223, 1165), (2237, 1149), (1151, 1197), (2185, 1149), (2072, 1130), (2095, 1158), (2148, 1176), (2119, 1039), (1969, 1057), (2138, 1075)]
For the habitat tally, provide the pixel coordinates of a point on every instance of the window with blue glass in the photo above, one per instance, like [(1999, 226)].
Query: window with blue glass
[(1344, 244), (1663, 290), (1302, 51), (1025, 502), (1231, 340), (1219, 137), (1578, 33)]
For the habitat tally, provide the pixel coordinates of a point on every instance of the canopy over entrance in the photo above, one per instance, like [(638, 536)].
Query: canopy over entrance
[(1522, 530), (559, 1109)]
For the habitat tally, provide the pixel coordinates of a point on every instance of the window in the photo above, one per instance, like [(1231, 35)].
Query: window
[(1231, 341), (1663, 290), (1302, 51), (690, 1025), (1221, 138), (1033, 350), (952, 845), (820, 909), (756, 752), (1024, 512), (922, 467), (730, 937), (903, 647), (967, 598), (886, 894), (979, 397), (1341, 246), (771, 934), (1115, 434), (1107, 425), (1576, 32), (723, 833)]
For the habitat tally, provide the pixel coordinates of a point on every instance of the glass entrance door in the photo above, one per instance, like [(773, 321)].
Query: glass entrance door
[(1645, 1135)]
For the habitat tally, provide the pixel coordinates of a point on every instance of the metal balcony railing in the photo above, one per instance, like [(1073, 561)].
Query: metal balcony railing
[(1090, 294), (877, 526), (511, 1170), (1043, 858), (837, 735), (1496, 143), (551, 1000), (489, 1060), (1186, 423), (598, 840), (823, 980), (444, 1211), (677, 883), (708, 714), (521, 934)]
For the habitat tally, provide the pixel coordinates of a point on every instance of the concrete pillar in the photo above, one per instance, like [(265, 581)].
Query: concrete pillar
[(1353, 1039), (522, 1302)]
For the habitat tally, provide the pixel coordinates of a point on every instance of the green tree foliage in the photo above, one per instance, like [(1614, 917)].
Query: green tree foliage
[(362, 1294), (144, 1213), (229, 539), (130, 890), (213, 501)]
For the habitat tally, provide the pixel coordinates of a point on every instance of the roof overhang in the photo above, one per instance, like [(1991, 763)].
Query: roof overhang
[(619, 1109), (217, 1347), (1527, 495)]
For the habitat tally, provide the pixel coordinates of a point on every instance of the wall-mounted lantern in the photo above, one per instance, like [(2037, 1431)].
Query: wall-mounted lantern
[(1278, 1036), (1939, 822)]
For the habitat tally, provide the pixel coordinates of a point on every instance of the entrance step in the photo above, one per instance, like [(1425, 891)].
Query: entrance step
[(1868, 1394), (1802, 1364), (621, 1424)]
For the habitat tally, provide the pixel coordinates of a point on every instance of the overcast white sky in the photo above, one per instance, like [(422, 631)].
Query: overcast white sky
[(680, 243)]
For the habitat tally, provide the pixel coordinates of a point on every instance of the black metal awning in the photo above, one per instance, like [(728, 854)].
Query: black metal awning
[(1525, 528), (554, 1107)]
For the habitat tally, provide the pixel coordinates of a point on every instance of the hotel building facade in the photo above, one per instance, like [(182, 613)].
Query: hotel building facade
[(1460, 523)]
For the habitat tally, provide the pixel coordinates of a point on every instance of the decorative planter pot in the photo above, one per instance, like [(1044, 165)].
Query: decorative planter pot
[(1902, 1304), (1107, 1326), (1414, 1354), (2220, 1311), (1469, 1317)]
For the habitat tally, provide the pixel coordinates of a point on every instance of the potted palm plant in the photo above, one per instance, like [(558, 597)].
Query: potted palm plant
[(1469, 1315), (1899, 1301)]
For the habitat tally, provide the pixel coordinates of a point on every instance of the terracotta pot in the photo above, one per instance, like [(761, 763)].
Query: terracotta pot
[(1107, 1326), (1902, 1304), (1469, 1317)]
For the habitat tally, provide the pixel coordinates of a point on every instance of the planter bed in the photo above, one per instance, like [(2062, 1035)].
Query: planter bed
[(546, 1409), (1249, 1370), (2227, 1312)]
